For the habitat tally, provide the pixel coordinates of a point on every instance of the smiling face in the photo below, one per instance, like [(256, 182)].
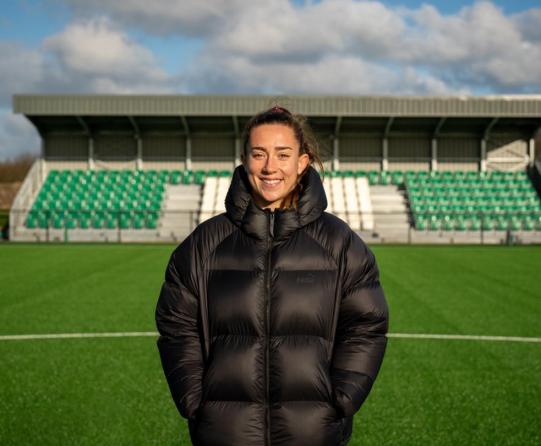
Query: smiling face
[(273, 163)]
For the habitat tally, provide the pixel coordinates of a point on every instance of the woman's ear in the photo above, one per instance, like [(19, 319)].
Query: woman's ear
[(304, 159)]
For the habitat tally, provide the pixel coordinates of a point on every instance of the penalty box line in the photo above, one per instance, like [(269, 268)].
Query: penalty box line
[(127, 334)]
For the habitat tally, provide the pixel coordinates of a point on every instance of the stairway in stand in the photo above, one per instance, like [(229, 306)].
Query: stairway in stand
[(391, 217), (180, 211)]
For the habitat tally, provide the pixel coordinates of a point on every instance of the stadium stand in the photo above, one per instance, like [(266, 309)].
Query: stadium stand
[(135, 200), (473, 200), (401, 169)]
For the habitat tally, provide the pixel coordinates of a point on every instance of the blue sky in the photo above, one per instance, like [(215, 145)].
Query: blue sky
[(399, 47)]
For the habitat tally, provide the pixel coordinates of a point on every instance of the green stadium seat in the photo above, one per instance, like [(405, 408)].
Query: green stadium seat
[(84, 222), (111, 223), (461, 224), (528, 224), (434, 225), (138, 223), (97, 223), (515, 224), (448, 224), (475, 224), (151, 224), (176, 177)]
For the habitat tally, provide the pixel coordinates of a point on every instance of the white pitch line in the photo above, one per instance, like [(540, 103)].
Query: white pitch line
[(27, 337), (464, 337)]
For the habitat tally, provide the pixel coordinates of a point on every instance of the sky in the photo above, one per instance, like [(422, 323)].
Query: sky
[(335, 47)]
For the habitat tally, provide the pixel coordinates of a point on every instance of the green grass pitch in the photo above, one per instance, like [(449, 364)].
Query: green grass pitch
[(111, 391)]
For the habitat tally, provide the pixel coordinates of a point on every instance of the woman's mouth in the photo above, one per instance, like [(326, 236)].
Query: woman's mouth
[(271, 184)]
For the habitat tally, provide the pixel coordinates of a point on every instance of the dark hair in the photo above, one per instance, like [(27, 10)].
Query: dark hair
[(303, 133)]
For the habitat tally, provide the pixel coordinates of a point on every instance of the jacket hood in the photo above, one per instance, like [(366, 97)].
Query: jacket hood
[(253, 220)]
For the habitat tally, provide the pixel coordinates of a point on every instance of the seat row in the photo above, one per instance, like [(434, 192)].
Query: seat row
[(94, 220), (434, 222), (72, 177), (474, 200)]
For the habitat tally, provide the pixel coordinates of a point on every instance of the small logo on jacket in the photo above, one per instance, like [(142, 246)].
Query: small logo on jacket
[(306, 278)]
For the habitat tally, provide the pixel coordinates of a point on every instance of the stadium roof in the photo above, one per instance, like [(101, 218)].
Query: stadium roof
[(329, 114)]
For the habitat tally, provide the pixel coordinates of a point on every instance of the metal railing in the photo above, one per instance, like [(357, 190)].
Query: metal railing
[(105, 224), (378, 227)]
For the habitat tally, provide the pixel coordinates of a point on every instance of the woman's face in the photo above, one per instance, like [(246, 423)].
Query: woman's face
[(273, 163)]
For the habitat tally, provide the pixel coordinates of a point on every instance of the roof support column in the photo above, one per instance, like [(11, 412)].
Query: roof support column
[(336, 144), (139, 142), (188, 163), (43, 168), (237, 141), (237, 151), (434, 145), (91, 163), (385, 145), (434, 155), (385, 155), (188, 152), (139, 160), (531, 151), (335, 153), (88, 133), (483, 154)]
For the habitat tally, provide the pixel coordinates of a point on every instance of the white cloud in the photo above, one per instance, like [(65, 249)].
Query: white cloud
[(479, 45), (477, 48), (529, 24), (17, 136), (349, 47), (333, 74), (325, 47), (97, 48), (86, 57), (22, 68), (161, 17)]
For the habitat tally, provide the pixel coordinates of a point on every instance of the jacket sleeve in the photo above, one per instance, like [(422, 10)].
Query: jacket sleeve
[(361, 330), (179, 342)]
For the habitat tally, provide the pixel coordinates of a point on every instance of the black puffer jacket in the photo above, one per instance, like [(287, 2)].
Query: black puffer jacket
[(272, 324)]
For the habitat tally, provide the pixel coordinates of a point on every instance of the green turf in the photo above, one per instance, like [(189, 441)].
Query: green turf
[(112, 391)]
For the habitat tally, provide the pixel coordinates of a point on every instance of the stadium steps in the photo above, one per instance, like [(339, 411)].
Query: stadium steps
[(389, 208), (213, 196), (179, 210), (362, 191)]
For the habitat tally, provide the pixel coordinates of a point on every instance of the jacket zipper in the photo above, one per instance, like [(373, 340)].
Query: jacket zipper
[(270, 237)]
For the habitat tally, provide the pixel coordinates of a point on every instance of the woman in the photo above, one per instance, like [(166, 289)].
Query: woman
[(272, 318)]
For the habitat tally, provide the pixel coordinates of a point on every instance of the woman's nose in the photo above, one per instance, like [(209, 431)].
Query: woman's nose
[(270, 163)]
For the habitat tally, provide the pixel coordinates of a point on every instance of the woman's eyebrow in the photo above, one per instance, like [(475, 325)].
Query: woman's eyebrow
[(265, 149)]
